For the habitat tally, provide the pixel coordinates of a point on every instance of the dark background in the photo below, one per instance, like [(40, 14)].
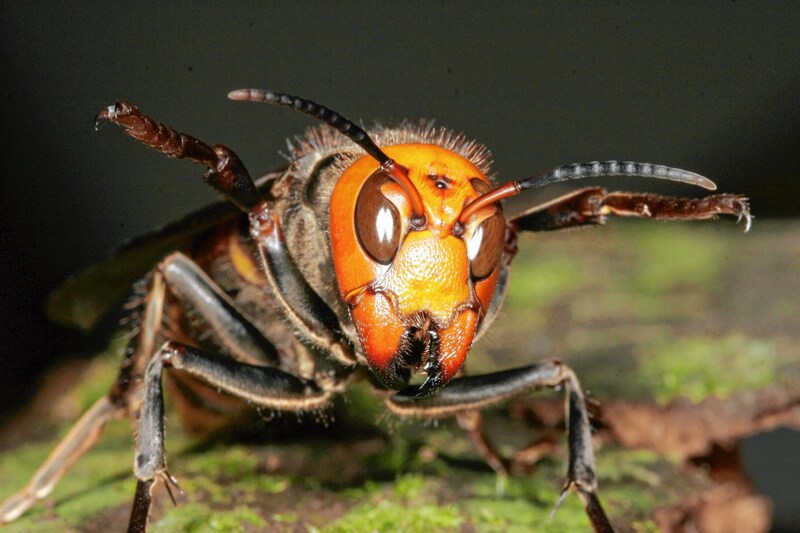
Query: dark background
[(712, 87)]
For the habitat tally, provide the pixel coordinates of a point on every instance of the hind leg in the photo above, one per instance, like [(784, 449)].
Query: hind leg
[(120, 400)]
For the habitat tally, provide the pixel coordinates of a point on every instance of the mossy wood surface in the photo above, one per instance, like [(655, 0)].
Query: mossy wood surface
[(646, 313)]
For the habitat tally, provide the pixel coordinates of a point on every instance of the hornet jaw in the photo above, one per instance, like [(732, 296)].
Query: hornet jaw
[(412, 343)]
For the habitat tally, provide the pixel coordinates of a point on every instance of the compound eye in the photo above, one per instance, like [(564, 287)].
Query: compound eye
[(377, 220), (485, 246)]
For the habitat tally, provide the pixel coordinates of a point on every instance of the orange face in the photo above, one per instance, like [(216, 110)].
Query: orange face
[(416, 296)]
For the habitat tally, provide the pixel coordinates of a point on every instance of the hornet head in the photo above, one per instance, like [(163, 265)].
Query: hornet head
[(417, 260)]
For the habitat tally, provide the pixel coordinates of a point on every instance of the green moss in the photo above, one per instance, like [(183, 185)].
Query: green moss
[(706, 366), (362, 492), (235, 519), (409, 486), (265, 484), (227, 474), (387, 516), (200, 518), (517, 515), (524, 503), (208, 488), (630, 484), (227, 461)]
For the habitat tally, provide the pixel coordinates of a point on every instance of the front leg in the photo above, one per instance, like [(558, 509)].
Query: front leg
[(475, 392), (314, 320), (592, 206), (266, 387)]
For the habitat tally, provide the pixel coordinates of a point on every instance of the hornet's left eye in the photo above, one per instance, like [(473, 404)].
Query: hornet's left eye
[(485, 246), (377, 220)]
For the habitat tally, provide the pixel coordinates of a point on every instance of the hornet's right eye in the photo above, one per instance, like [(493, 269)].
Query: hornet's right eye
[(377, 220)]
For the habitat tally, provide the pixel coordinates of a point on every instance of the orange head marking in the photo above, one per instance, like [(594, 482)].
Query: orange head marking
[(416, 294)]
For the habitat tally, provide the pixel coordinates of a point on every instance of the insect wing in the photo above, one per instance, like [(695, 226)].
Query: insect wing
[(82, 300)]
